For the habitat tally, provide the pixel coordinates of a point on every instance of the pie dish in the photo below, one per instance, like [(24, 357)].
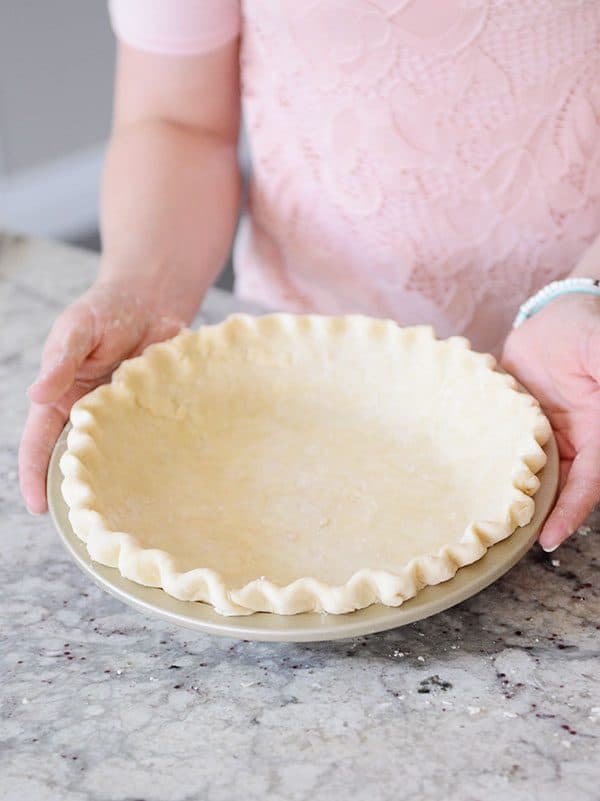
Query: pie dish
[(290, 464)]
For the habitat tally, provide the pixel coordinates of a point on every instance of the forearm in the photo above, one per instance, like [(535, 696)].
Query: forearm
[(169, 207)]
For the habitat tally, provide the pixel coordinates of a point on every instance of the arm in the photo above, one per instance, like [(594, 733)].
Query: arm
[(169, 206), (171, 184), (588, 265)]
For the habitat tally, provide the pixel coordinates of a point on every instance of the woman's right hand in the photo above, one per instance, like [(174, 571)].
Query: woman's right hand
[(87, 342)]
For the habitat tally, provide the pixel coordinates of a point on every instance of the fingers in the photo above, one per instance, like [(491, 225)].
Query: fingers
[(69, 343), (82, 349), (54, 380), (43, 427), (161, 329), (578, 497)]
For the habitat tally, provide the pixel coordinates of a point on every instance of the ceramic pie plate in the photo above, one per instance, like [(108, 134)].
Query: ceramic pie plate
[(307, 627)]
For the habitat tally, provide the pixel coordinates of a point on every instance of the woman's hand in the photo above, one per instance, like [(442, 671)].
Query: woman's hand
[(107, 324), (556, 356)]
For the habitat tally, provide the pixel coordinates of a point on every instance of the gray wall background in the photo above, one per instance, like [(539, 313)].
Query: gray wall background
[(56, 76), (56, 72)]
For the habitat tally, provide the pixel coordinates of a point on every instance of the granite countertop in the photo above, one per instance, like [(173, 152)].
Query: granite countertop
[(497, 698)]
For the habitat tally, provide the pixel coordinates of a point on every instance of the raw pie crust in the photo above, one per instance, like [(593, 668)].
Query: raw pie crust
[(301, 463)]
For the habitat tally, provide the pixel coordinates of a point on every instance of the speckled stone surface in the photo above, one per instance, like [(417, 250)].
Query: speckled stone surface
[(495, 699)]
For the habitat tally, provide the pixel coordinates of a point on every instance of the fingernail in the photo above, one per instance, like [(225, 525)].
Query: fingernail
[(34, 513), (550, 550)]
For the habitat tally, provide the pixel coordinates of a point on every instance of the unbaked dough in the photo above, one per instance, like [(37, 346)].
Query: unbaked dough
[(296, 463)]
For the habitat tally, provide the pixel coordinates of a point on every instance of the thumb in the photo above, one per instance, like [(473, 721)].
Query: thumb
[(70, 341), (580, 494)]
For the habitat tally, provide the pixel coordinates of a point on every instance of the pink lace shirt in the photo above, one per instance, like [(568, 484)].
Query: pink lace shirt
[(426, 161)]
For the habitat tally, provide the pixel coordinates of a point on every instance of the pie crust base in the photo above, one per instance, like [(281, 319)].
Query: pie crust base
[(292, 464)]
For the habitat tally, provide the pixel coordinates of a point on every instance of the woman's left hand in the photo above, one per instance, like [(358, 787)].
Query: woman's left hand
[(556, 356)]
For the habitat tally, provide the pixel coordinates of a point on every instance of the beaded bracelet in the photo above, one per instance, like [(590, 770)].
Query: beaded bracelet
[(568, 286)]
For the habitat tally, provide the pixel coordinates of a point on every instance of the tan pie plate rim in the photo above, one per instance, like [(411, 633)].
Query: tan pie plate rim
[(307, 627)]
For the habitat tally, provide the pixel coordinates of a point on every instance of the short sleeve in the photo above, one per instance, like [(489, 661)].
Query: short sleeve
[(175, 27)]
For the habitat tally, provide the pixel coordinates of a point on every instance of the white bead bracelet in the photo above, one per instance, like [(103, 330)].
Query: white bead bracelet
[(568, 286)]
